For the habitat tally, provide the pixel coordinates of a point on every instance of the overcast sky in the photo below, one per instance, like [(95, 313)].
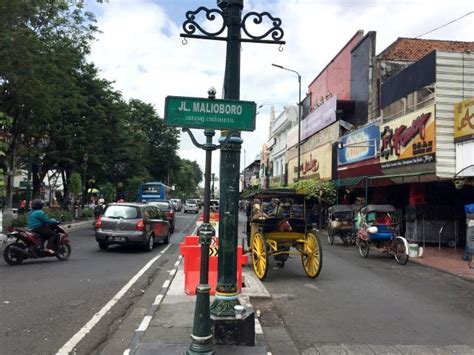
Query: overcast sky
[(141, 51)]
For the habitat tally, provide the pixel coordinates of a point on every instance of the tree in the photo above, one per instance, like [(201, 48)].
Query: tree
[(42, 44), (75, 184), (322, 190), (188, 177)]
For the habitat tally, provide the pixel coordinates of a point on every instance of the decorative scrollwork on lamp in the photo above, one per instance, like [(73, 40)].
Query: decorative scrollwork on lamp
[(276, 31), (192, 28)]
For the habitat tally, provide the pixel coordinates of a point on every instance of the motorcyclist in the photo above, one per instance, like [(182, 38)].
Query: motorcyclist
[(100, 208), (39, 222)]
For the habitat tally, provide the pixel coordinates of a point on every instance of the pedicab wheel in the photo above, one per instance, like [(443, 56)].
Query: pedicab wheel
[(312, 255), (331, 236), (401, 255), (259, 255), (363, 247)]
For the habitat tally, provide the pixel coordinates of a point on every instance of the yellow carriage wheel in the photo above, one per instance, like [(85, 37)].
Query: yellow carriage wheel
[(259, 255), (312, 255)]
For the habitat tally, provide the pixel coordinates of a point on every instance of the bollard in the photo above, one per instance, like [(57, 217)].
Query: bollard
[(201, 339)]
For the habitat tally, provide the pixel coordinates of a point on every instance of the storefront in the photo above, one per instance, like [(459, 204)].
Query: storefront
[(357, 160), (317, 163)]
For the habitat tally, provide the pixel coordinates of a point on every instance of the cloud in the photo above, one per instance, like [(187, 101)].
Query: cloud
[(141, 50)]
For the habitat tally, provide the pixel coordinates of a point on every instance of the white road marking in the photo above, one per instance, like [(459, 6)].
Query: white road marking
[(158, 300), (126, 352), (166, 284), (258, 327), (69, 346), (144, 324), (313, 287), (172, 272)]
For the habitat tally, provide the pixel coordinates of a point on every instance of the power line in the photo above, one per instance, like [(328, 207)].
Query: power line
[(446, 24)]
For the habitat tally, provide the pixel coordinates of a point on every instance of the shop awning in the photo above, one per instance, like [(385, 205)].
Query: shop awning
[(353, 181)]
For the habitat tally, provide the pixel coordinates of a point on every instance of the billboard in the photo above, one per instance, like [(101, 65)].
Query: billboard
[(320, 118), (464, 120), (316, 163), (359, 145), (409, 140)]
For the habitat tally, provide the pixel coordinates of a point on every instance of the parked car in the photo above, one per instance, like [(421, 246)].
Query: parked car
[(191, 205), (132, 224), (167, 208), (178, 205)]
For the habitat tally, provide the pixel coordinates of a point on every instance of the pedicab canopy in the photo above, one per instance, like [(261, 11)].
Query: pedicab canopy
[(340, 208), (378, 208), (265, 194)]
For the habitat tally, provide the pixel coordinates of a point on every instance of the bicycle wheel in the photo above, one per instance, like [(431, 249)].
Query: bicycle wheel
[(363, 247), (400, 251)]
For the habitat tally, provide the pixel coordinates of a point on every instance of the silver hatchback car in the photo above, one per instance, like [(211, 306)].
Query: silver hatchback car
[(191, 205), (132, 224)]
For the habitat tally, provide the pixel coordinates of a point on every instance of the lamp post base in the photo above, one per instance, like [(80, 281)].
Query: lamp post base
[(237, 330)]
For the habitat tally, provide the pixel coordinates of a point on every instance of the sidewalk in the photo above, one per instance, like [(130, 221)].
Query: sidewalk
[(447, 260), (168, 324)]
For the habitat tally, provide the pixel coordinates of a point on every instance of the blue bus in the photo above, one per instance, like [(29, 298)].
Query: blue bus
[(153, 191)]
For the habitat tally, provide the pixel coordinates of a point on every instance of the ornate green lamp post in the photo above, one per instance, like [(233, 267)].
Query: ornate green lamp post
[(230, 13)]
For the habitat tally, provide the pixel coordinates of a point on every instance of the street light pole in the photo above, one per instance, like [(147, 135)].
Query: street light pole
[(226, 296), (299, 113)]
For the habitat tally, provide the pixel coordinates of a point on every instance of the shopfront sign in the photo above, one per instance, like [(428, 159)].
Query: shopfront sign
[(314, 164), (408, 140), (359, 145), (464, 120), (192, 112), (320, 118)]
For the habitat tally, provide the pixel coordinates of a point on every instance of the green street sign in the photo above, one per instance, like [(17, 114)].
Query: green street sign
[(192, 112)]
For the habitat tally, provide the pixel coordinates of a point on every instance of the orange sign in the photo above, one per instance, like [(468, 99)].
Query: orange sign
[(314, 164), (408, 140), (464, 120)]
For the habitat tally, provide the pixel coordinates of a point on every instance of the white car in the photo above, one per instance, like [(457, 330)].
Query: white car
[(191, 206), (177, 204)]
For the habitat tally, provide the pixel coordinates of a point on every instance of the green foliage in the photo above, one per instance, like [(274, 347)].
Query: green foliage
[(20, 221), (75, 184), (59, 214), (47, 86), (323, 190), (131, 186), (109, 192), (87, 213)]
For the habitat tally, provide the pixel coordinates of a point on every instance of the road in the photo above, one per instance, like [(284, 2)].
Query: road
[(370, 302), (43, 303), (361, 303)]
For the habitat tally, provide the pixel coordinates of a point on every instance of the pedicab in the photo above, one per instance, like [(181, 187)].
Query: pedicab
[(282, 231), (341, 224), (378, 225)]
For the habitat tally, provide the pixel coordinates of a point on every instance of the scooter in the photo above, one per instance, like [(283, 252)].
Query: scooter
[(24, 244)]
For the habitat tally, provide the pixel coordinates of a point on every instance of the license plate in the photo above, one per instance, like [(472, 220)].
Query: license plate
[(118, 239)]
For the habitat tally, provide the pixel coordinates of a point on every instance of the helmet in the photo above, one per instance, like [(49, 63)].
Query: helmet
[(101, 201), (37, 204)]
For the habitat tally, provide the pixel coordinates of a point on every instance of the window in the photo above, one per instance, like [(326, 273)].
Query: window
[(126, 212)]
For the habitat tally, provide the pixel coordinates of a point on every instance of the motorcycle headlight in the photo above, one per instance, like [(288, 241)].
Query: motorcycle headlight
[(373, 230)]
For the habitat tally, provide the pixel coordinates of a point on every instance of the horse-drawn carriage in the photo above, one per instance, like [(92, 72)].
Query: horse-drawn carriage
[(281, 231)]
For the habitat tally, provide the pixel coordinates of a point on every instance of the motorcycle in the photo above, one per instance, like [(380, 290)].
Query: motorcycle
[(24, 244)]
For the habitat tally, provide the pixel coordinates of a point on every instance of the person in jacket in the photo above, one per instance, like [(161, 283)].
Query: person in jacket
[(39, 222), (100, 208)]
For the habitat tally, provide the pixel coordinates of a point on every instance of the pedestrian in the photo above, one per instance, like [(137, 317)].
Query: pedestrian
[(22, 206)]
